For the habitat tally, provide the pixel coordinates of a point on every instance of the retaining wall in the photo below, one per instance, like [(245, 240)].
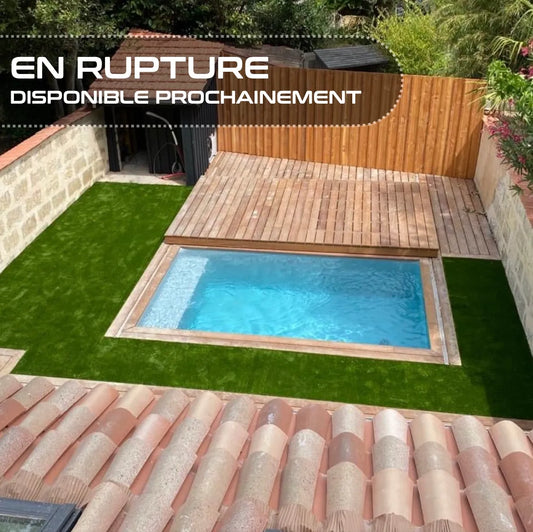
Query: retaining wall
[(43, 175)]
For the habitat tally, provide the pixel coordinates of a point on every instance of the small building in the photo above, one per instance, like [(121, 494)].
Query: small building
[(165, 139), (364, 57)]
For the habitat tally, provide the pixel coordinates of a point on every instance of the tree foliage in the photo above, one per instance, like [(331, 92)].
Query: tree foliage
[(414, 37), (479, 31), (510, 96)]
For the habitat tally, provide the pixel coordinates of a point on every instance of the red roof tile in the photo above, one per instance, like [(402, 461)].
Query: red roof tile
[(180, 460), (150, 44)]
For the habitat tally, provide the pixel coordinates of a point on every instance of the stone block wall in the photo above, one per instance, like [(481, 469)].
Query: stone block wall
[(43, 175), (511, 219)]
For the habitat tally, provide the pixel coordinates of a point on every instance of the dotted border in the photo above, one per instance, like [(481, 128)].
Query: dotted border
[(356, 35)]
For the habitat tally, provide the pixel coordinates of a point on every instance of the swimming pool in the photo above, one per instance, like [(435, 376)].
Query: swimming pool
[(298, 296)]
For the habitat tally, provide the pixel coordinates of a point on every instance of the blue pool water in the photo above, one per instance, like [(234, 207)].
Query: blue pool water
[(343, 299)]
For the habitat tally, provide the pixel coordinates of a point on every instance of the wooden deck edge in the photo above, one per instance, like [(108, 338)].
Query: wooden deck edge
[(299, 246)]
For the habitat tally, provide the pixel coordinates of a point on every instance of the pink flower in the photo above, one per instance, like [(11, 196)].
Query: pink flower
[(524, 51)]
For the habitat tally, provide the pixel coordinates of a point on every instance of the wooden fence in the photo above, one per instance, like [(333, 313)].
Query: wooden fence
[(379, 94), (434, 129)]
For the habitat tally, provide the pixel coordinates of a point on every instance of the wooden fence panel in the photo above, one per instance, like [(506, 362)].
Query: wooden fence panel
[(434, 129)]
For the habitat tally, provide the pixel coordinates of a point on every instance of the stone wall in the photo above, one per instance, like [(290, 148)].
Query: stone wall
[(511, 219), (43, 175)]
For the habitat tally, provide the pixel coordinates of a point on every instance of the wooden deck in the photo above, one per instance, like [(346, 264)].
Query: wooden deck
[(256, 202)]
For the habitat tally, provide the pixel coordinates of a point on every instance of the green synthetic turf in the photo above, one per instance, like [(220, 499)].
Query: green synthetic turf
[(58, 298)]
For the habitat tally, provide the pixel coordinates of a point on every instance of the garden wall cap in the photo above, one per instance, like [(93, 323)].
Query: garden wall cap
[(154, 458)]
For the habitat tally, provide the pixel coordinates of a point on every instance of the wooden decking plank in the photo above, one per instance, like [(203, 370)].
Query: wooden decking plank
[(375, 223), (483, 222), (431, 229), (357, 219), (418, 211), (213, 196), (186, 213), (259, 209), (473, 217), (454, 214), (267, 209), (258, 201), (402, 217), (348, 211), (312, 184), (325, 203), (392, 209), (464, 218), (338, 227), (246, 184), (276, 203), (385, 239), (210, 192), (290, 217), (442, 216), (366, 227), (284, 206), (299, 208), (315, 212)]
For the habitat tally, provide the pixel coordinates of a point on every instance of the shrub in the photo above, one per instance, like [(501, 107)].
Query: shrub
[(510, 97), (414, 37)]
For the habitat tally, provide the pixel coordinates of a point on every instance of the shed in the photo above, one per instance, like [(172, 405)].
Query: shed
[(359, 57), (151, 130)]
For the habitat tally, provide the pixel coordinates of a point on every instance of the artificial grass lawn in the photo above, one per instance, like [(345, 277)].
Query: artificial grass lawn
[(58, 298)]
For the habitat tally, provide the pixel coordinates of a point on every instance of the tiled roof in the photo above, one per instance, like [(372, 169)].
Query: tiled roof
[(152, 459), (277, 55), (150, 44)]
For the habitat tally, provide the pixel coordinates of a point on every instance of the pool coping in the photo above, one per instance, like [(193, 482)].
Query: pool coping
[(443, 349)]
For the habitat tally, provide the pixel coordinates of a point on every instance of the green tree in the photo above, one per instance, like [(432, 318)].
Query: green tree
[(72, 20), (292, 17), (414, 37), (475, 28)]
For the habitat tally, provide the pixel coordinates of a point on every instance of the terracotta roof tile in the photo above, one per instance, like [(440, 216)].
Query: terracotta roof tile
[(476, 463), (8, 386), (104, 506), (143, 44), (490, 505), (116, 424), (524, 507), (432, 455), (136, 400), (40, 417), (99, 398), (33, 392), (348, 418), (509, 438), (390, 453), (12, 445), (245, 515), (389, 422), (440, 497), (10, 410), (171, 405), (269, 439), (276, 412), (469, 432), (392, 493), (346, 487), (315, 418), (153, 460), (347, 447), (231, 437), (517, 469), (426, 428)]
